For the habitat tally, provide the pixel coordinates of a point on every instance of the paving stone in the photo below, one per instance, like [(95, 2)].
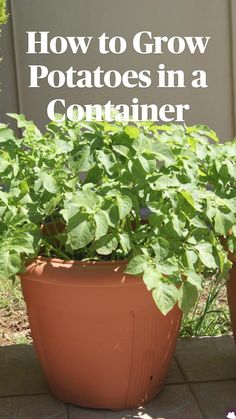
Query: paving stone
[(174, 402), (175, 376), (216, 399), (20, 371), (32, 407), (207, 359)]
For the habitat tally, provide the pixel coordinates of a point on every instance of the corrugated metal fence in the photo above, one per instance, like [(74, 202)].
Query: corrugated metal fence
[(214, 106)]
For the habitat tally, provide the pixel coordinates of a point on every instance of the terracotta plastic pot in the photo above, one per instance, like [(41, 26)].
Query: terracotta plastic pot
[(231, 291), (99, 336)]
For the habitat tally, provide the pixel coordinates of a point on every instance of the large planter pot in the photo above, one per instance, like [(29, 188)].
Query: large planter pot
[(99, 336), (231, 291)]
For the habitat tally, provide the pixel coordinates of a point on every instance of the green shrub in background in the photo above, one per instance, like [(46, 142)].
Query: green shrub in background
[(3, 13), (3, 17)]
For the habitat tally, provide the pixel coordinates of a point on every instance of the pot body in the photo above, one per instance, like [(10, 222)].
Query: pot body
[(98, 334), (231, 291)]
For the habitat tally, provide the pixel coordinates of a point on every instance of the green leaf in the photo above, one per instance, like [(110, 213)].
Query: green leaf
[(161, 248), (151, 278), (132, 131), (85, 161), (124, 205), (88, 199), (165, 182), (201, 151), (191, 258), (178, 222), (6, 134), (165, 296), (188, 197), (49, 183), (137, 265), (52, 204), (101, 221), (203, 130), (2, 211), (3, 197), (81, 231), (163, 152), (113, 215), (4, 164), (107, 159), (63, 147), (121, 149), (125, 242), (10, 263), (29, 126), (106, 245), (137, 171), (223, 222), (141, 145), (231, 169), (206, 255), (234, 230), (194, 279), (149, 165), (23, 243), (188, 295), (21, 121)]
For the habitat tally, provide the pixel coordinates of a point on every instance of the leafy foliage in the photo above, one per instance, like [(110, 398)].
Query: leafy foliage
[(91, 183), (3, 14), (210, 316)]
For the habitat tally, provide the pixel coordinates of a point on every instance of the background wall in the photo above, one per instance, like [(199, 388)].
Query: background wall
[(214, 106)]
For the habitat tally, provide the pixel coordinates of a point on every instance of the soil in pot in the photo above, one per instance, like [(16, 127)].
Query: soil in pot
[(99, 336)]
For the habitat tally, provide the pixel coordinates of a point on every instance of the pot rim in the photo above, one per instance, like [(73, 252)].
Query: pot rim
[(79, 262)]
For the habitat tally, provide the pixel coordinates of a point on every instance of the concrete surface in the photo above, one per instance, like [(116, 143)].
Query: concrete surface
[(201, 384)]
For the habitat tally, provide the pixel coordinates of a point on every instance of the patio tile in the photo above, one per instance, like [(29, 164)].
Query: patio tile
[(216, 399), (20, 371), (174, 402), (32, 407), (207, 359), (175, 376)]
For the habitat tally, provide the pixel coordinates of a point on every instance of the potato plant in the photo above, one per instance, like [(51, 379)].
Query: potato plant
[(160, 197)]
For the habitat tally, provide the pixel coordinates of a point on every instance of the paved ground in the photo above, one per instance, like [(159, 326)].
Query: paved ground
[(201, 384)]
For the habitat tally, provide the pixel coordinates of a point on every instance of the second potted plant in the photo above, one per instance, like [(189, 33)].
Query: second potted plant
[(221, 173)]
